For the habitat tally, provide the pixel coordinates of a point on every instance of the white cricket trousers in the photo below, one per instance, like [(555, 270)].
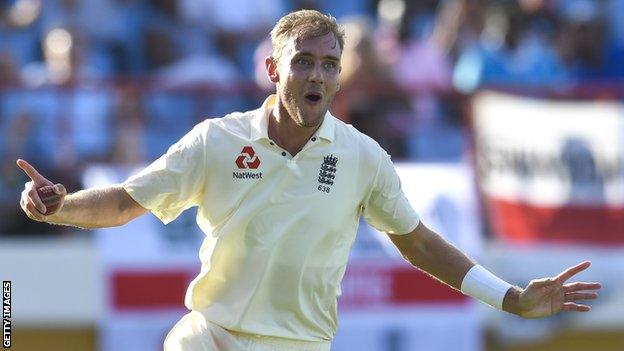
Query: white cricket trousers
[(194, 333)]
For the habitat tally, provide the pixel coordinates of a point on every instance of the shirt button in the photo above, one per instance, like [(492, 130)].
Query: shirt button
[(284, 153), (313, 138)]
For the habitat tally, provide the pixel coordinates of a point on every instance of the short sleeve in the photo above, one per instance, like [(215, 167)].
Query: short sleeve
[(175, 181), (386, 208)]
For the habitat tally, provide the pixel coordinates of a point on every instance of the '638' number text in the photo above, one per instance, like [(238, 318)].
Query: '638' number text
[(324, 188)]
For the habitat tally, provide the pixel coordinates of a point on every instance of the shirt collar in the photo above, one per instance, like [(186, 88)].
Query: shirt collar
[(260, 122)]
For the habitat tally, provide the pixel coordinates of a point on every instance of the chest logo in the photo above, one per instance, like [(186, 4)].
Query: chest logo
[(327, 173), (247, 159)]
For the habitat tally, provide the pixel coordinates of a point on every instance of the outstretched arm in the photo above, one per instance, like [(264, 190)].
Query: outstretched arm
[(429, 252), (91, 208)]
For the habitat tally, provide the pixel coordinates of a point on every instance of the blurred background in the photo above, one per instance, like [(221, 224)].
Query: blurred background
[(505, 119)]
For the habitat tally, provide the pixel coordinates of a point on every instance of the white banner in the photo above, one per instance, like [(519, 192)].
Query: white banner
[(551, 170)]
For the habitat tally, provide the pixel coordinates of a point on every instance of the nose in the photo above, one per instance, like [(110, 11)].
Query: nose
[(316, 74)]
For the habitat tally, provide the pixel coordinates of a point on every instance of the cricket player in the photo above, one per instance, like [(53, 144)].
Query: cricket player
[(279, 192)]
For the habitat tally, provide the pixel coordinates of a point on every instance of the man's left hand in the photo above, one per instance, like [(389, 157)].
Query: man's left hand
[(547, 296)]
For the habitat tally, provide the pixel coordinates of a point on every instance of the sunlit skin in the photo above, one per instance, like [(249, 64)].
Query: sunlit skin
[(307, 69)]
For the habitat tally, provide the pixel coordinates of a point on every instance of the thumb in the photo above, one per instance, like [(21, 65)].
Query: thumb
[(59, 189)]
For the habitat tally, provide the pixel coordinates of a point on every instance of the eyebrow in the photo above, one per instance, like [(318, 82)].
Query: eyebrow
[(326, 57)]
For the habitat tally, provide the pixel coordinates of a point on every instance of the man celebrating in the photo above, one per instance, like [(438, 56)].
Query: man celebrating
[(280, 190)]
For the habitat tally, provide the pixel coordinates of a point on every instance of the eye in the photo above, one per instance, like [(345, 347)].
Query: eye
[(302, 61), (329, 65)]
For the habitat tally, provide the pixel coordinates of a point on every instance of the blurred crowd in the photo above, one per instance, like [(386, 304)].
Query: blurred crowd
[(118, 81)]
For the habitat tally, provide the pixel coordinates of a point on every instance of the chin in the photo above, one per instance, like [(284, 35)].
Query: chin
[(312, 119), (307, 124), (311, 122)]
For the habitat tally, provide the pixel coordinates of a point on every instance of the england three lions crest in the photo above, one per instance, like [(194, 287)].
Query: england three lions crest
[(327, 173)]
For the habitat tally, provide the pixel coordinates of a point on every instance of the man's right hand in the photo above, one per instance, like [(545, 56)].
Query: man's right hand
[(30, 202)]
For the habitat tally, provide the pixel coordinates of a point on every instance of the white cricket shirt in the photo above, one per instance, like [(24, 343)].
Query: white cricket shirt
[(278, 228)]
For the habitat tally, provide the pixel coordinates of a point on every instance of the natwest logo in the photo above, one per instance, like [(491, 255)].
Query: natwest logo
[(247, 159)]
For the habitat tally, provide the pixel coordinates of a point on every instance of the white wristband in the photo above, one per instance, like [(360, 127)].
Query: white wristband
[(485, 286)]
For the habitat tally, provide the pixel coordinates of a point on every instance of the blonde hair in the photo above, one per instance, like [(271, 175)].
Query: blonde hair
[(304, 24)]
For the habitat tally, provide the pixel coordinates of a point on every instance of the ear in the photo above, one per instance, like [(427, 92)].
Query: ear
[(271, 66)]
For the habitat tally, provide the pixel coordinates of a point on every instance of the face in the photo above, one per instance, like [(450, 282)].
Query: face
[(307, 78)]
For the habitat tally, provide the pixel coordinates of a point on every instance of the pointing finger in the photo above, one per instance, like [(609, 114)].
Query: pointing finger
[(30, 171), (568, 273)]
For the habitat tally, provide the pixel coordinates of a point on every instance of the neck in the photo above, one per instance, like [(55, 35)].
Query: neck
[(285, 132)]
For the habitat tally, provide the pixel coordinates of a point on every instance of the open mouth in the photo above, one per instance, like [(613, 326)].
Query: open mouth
[(313, 97)]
